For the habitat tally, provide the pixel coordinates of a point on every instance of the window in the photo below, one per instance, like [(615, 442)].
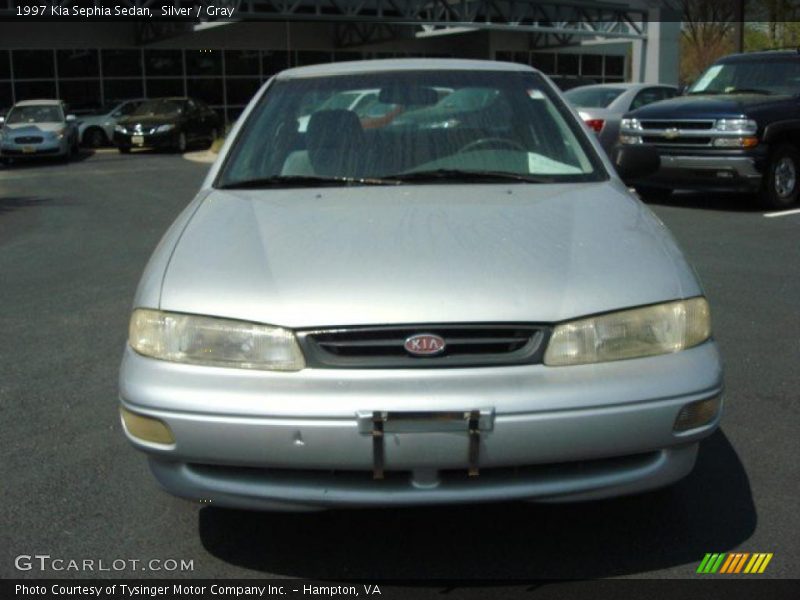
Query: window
[(274, 61), (81, 95), (122, 89), (5, 64), (567, 64), (593, 96), (242, 62), (650, 95), (33, 90), (592, 65), (164, 87), (615, 66), (544, 61), (206, 89), (78, 63), (163, 62), (203, 63), (33, 64), (424, 121), (241, 90), (6, 100), (122, 63)]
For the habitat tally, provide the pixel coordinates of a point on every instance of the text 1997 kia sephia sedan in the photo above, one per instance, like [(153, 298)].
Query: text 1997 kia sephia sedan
[(466, 310)]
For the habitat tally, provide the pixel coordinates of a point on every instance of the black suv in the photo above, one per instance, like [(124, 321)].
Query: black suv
[(737, 128)]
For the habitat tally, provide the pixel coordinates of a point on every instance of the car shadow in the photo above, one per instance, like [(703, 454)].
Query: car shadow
[(721, 201), (41, 162), (711, 510), (12, 203)]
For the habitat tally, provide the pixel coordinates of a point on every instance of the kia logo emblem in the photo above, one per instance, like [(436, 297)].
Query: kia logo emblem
[(424, 344)]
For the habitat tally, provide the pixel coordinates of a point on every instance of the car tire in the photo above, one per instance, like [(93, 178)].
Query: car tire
[(181, 144), (124, 149), (94, 137), (653, 193), (781, 186)]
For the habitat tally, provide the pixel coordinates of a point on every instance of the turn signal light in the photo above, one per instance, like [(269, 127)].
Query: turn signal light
[(146, 429), (697, 414)]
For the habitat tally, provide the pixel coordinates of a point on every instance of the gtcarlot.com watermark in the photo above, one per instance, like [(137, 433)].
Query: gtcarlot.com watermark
[(45, 562)]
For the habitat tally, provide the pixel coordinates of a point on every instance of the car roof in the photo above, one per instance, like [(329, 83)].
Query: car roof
[(42, 102), (763, 55), (621, 86), (400, 64)]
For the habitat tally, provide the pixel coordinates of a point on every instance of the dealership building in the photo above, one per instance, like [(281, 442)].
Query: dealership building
[(92, 63)]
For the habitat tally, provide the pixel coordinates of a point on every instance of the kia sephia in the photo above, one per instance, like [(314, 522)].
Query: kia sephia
[(464, 308)]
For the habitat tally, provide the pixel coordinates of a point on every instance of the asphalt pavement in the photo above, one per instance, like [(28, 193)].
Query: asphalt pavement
[(74, 240)]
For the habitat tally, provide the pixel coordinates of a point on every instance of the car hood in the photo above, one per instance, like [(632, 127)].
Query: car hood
[(149, 120), (33, 128), (422, 253), (707, 106)]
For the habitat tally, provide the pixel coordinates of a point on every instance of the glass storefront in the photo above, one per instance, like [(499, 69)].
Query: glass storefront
[(225, 79)]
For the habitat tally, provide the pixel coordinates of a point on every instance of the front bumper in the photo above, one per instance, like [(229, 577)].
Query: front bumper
[(292, 440), (167, 139), (734, 172), (47, 147)]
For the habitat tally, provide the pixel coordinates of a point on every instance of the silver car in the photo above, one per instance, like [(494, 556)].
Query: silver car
[(602, 106), (38, 128), (407, 315), (98, 129)]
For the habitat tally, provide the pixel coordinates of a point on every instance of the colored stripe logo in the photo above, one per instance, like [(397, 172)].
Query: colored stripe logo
[(735, 563)]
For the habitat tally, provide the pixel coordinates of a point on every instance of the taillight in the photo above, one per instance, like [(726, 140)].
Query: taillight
[(595, 125)]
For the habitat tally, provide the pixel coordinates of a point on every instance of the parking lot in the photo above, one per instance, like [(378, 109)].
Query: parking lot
[(74, 240)]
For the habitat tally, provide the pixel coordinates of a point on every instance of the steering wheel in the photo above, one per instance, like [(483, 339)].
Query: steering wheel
[(492, 141)]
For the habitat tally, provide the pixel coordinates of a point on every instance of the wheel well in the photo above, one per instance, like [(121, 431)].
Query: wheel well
[(91, 129)]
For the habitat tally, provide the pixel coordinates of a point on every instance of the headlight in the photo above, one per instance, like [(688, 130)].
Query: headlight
[(631, 124), (737, 125), (165, 128), (59, 134), (634, 333), (120, 129), (215, 342)]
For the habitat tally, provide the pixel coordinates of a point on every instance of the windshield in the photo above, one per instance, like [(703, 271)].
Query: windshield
[(764, 76), (593, 97), (494, 123), (35, 114), (159, 107)]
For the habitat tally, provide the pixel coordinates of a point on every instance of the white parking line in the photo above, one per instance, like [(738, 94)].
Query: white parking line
[(783, 213)]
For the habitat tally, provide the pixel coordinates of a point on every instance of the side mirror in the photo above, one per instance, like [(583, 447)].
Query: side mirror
[(71, 118), (636, 161)]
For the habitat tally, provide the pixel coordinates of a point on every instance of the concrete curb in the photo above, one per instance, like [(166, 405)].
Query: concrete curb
[(204, 156)]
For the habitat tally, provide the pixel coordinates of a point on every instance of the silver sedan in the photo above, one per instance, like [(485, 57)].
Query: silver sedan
[(602, 106), (410, 315)]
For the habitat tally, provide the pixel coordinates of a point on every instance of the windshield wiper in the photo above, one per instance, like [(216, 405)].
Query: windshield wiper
[(303, 181), (462, 175)]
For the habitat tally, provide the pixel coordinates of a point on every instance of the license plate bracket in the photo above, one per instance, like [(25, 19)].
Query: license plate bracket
[(378, 423), (137, 140)]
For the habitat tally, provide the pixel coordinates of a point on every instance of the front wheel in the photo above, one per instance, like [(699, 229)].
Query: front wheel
[(780, 188), (94, 138)]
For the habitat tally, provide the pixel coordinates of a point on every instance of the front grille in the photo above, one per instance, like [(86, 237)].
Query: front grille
[(664, 124), (30, 139), (465, 345), (681, 140)]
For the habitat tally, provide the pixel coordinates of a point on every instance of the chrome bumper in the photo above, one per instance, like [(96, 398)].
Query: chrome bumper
[(269, 440)]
